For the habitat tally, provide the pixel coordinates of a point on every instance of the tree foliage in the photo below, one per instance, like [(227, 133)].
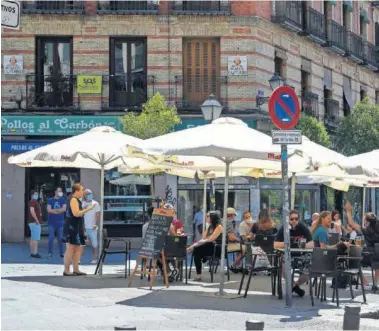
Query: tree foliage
[(156, 119), (359, 131), (314, 130)]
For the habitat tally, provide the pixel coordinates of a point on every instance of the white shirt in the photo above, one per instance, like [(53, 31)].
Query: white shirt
[(245, 228), (90, 216)]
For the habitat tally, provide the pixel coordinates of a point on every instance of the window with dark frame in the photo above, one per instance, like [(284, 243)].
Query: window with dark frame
[(362, 94), (53, 79), (304, 81), (128, 73), (377, 97), (279, 69)]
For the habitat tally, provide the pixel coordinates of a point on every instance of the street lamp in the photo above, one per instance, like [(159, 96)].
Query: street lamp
[(275, 81), (211, 109)]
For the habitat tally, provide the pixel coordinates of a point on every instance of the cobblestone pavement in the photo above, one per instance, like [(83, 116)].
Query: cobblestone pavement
[(36, 296)]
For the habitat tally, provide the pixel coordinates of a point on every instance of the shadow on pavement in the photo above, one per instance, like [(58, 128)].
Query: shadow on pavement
[(92, 282), (177, 299)]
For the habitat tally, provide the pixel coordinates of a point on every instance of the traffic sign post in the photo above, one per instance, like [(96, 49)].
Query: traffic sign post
[(284, 110)]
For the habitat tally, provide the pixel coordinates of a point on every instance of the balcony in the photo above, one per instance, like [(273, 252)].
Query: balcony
[(336, 37), (332, 113), (314, 26), (370, 56), (289, 14), (127, 7), (201, 7), (53, 7), (191, 92), (354, 47), (120, 91), (50, 92), (310, 104)]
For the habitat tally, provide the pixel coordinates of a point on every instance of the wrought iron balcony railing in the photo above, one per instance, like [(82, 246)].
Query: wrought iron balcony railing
[(370, 56), (127, 7), (314, 25), (289, 14), (354, 46), (120, 91), (336, 37), (310, 104), (202, 7), (50, 92), (192, 91), (53, 7), (332, 112)]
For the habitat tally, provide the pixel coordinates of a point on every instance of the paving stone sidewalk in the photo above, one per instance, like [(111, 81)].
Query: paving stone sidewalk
[(36, 296)]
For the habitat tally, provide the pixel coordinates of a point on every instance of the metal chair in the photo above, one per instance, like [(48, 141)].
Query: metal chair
[(176, 249), (353, 268), (323, 266), (106, 251), (333, 238), (214, 261), (266, 243)]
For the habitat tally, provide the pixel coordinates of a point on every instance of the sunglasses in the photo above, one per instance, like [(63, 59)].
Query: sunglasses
[(294, 219)]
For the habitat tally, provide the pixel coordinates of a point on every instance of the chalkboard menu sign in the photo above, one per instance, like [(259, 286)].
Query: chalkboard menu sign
[(156, 232)]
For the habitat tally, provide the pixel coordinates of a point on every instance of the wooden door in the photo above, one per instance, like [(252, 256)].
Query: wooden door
[(201, 70)]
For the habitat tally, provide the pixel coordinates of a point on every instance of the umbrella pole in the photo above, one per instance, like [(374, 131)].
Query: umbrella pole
[(204, 202), (293, 190), (101, 218), (364, 204), (224, 222)]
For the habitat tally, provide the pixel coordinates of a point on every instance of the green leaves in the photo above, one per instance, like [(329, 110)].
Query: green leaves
[(314, 130), (156, 119), (359, 132)]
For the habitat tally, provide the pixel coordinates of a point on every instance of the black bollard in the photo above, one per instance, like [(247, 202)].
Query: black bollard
[(254, 325), (125, 327), (351, 318)]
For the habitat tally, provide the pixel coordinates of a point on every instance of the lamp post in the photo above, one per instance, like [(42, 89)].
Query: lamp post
[(211, 109), (275, 81)]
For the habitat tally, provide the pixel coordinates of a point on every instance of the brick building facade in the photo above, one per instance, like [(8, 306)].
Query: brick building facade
[(326, 50)]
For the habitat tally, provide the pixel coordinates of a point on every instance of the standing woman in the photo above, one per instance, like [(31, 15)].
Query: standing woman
[(75, 237)]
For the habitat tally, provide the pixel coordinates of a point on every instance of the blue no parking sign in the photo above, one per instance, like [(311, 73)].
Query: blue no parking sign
[(284, 108)]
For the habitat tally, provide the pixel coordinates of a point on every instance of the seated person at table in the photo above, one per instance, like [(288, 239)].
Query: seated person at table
[(336, 223), (298, 231), (351, 234), (176, 227), (265, 225), (370, 230), (212, 235), (234, 243), (245, 225), (320, 232)]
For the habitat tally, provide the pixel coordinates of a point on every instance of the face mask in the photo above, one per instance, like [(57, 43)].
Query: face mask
[(90, 197), (249, 220), (35, 196), (60, 194)]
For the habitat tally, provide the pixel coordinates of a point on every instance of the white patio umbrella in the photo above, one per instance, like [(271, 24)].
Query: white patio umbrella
[(100, 148), (226, 141)]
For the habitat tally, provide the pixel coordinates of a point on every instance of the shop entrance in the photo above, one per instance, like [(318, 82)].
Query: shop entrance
[(45, 181)]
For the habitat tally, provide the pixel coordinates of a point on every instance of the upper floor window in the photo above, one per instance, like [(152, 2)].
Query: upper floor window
[(127, 7), (217, 7), (128, 74), (53, 7)]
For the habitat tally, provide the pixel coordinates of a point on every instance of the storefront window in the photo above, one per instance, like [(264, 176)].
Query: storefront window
[(126, 198), (377, 201), (45, 181), (305, 203), (355, 196), (189, 201)]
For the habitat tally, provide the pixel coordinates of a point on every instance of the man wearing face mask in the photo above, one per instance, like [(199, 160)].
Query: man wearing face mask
[(245, 225), (91, 221), (56, 209)]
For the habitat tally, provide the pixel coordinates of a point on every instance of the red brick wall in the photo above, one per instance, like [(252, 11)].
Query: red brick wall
[(90, 7), (317, 5), (356, 17), (243, 8), (371, 37)]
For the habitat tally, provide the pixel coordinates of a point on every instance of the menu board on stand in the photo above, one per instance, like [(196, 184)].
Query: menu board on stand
[(153, 244)]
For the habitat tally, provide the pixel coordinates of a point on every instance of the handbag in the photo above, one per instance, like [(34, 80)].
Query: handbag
[(261, 260)]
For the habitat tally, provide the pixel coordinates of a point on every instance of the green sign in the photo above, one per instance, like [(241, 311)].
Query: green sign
[(89, 84), (37, 125)]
